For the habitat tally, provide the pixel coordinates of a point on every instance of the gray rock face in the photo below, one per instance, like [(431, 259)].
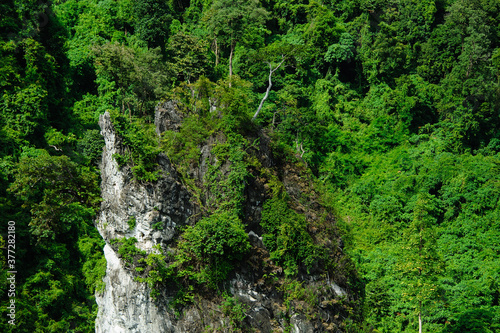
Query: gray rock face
[(125, 305), (158, 209), (299, 324), (166, 117)]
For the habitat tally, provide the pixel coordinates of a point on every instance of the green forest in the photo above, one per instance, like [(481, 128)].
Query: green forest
[(392, 106)]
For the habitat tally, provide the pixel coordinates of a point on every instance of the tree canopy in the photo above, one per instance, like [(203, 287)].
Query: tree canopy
[(393, 107)]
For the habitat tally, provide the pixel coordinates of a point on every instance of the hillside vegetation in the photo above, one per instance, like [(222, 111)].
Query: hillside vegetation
[(392, 107)]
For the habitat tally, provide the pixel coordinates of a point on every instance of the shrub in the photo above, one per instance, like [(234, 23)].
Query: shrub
[(131, 222), (286, 237), (143, 150), (157, 272), (208, 250), (127, 249), (234, 310), (91, 145)]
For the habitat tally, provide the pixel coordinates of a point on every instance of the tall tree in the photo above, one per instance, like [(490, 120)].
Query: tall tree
[(420, 262), (53, 188), (139, 75), (152, 21), (230, 20), (274, 55), (187, 57)]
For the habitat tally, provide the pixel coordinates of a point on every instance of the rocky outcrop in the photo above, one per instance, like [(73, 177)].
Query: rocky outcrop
[(157, 208), (149, 212), (166, 117), (153, 213), (125, 305)]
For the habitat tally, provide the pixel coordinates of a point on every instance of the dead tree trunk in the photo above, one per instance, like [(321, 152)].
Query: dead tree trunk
[(231, 61), (420, 317), (216, 52), (271, 71)]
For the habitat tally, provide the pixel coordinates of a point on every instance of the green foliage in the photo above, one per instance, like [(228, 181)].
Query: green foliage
[(128, 251), (229, 22), (209, 250), (234, 98), (419, 263), (286, 237), (91, 146), (158, 225), (341, 51), (58, 139), (153, 19), (24, 111), (131, 222), (234, 310), (393, 105), (134, 78), (94, 262), (156, 270), (230, 114), (424, 241), (188, 57), (299, 299), (228, 190), (183, 147), (57, 192), (477, 321), (141, 141)]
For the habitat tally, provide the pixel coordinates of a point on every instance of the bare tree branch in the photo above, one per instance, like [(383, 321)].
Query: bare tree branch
[(271, 71), (56, 148)]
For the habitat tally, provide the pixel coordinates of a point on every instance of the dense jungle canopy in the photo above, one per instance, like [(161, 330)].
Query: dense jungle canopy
[(392, 105)]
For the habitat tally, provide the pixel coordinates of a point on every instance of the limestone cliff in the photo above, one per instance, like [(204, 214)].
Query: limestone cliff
[(125, 305), (134, 209)]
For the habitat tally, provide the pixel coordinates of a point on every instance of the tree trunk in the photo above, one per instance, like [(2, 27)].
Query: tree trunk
[(271, 71), (129, 112), (420, 317), (231, 63), (265, 96), (216, 53)]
